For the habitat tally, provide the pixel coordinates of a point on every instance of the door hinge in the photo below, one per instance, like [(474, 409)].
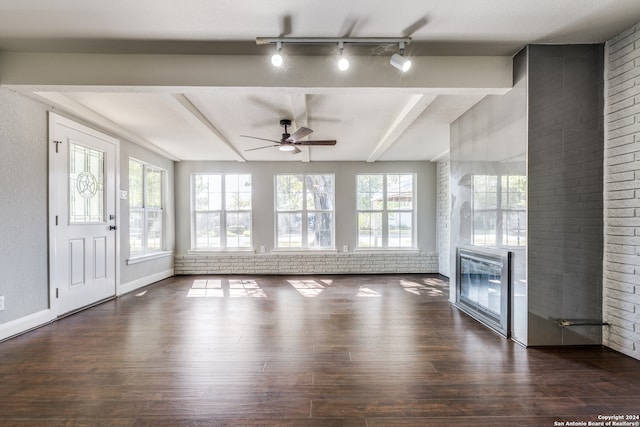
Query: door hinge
[(56, 219), (57, 289), (57, 144)]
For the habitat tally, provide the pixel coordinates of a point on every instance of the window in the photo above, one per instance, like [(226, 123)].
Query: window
[(221, 211), (304, 211), (385, 210), (146, 214), (499, 210)]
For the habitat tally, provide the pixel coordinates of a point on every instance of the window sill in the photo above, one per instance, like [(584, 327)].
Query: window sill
[(220, 251), (302, 251), (149, 257), (412, 251)]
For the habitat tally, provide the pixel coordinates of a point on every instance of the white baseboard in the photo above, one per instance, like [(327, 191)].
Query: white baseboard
[(125, 288), (26, 323)]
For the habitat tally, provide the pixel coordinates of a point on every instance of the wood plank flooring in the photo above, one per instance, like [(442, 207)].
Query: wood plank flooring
[(371, 350)]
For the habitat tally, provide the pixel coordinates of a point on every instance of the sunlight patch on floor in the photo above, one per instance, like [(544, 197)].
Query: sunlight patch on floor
[(215, 289), (420, 289), (366, 292), (307, 288)]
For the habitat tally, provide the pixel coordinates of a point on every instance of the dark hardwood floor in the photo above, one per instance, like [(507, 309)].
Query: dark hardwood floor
[(380, 350)]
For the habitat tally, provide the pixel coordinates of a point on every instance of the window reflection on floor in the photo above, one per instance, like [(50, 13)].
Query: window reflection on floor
[(307, 288), (366, 292), (431, 287), (245, 289), (236, 289)]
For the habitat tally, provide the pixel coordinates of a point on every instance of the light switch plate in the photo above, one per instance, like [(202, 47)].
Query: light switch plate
[(1, 302)]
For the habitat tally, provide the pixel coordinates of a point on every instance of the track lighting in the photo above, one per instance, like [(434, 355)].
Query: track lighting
[(276, 59), (399, 61), (343, 63)]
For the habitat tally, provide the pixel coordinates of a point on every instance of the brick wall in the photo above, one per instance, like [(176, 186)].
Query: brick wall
[(621, 296), (295, 263), (443, 217)]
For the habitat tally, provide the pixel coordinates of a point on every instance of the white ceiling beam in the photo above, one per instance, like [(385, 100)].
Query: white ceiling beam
[(409, 113), (196, 113), (64, 103), (298, 103), (168, 73)]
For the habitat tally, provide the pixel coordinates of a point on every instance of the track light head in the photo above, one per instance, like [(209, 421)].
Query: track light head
[(276, 59), (400, 62), (343, 63)]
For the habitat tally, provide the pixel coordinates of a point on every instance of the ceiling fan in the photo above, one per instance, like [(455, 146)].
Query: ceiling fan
[(290, 142)]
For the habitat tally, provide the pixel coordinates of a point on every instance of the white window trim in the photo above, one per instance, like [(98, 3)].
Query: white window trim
[(193, 250), (304, 210), (148, 255), (385, 217)]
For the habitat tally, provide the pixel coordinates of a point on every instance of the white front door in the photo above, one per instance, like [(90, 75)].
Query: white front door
[(83, 216)]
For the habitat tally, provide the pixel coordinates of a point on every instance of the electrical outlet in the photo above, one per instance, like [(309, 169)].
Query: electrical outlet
[(1, 302), (345, 248), (262, 249)]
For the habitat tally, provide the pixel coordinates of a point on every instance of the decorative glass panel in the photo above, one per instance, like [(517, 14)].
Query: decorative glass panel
[(86, 185)]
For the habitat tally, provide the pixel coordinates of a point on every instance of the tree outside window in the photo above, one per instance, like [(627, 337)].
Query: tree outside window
[(304, 211)]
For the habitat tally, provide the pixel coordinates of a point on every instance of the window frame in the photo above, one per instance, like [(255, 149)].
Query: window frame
[(224, 214), (304, 212), (385, 212), (145, 209)]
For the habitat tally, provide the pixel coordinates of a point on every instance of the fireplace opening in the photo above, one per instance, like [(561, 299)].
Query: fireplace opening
[(483, 284)]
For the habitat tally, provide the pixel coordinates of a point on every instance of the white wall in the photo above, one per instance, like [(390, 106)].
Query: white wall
[(621, 298)]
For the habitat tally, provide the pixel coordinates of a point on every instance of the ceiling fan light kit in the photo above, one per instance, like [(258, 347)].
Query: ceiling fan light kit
[(398, 61), (290, 142)]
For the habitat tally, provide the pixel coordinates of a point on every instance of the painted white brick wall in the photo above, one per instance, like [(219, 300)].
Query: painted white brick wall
[(621, 293), (443, 217), (295, 263)]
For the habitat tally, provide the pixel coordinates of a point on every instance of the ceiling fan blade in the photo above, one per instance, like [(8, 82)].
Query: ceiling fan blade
[(260, 148), (296, 151), (261, 139), (299, 134), (319, 142)]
